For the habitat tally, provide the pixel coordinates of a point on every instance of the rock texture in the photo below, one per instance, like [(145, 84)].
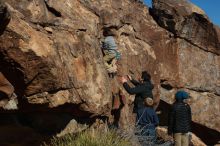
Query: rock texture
[(188, 22), (50, 52), (4, 17), (198, 58), (50, 69), (6, 89)]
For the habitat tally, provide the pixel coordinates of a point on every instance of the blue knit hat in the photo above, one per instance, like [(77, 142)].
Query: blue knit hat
[(181, 95)]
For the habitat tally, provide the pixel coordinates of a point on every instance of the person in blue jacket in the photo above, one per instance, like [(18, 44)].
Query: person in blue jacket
[(147, 121)]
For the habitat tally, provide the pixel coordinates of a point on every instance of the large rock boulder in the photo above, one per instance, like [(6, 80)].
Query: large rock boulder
[(50, 52), (48, 69), (188, 22), (198, 58)]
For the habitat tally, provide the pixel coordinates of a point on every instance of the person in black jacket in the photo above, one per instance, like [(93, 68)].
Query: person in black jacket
[(142, 89), (180, 118)]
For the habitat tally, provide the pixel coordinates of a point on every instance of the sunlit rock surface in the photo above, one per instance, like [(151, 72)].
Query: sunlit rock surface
[(50, 53)]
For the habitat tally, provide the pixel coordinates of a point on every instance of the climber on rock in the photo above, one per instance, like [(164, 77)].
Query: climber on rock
[(142, 89), (111, 55), (180, 118)]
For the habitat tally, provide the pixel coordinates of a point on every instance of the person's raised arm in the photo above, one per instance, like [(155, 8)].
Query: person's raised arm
[(134, 90), (133, 81)]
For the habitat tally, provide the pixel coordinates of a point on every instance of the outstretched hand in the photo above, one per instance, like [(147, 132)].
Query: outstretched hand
[(123, 79)]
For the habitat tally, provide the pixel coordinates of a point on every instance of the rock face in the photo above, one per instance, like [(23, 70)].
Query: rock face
[(198, 57), (48, 68), (188, 22), (50, 52), (4, 17), (6, 89)]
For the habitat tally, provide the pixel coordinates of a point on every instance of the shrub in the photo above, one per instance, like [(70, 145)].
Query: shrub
[(93, 137)]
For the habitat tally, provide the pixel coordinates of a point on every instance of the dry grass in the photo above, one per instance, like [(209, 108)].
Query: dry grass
[(93, 137)]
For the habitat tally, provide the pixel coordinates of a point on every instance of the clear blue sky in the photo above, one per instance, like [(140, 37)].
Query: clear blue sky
[(211, 8)]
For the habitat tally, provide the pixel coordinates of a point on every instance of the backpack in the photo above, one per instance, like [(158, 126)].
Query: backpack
[(118, 55)]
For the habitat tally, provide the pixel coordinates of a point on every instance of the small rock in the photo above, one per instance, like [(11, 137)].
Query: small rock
[(48, 29), (11, 105), (72, 127)]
